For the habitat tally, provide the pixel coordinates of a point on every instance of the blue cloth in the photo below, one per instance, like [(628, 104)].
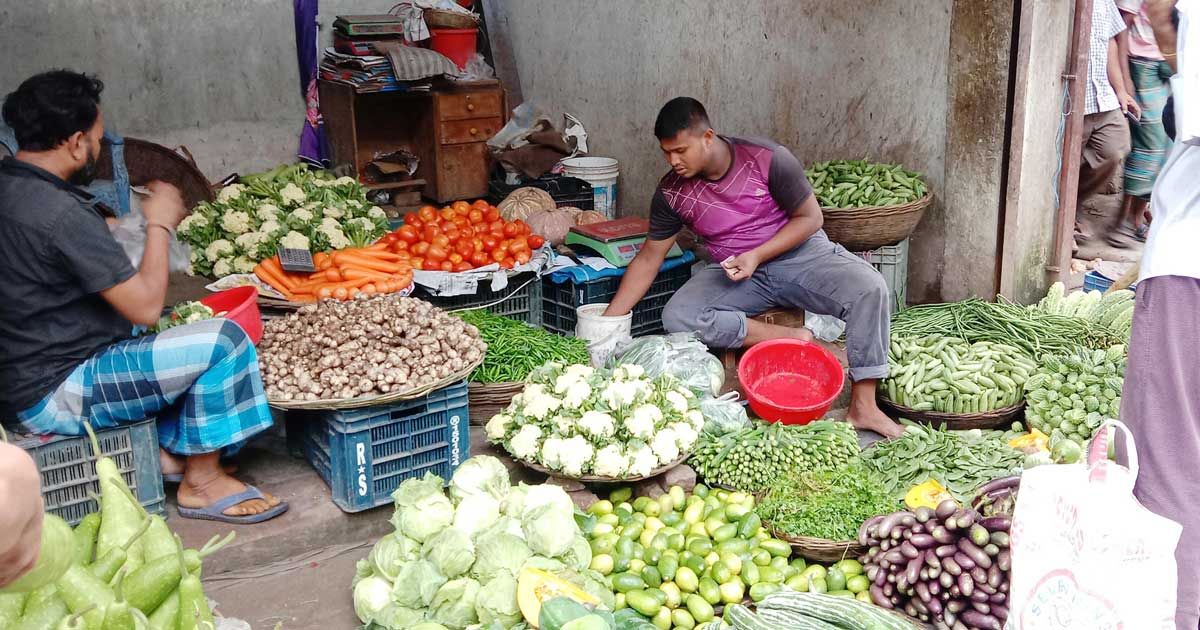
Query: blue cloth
[(201, 381), (580, 274)]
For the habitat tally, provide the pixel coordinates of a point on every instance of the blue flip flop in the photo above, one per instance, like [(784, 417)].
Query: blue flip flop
[(215, 512)]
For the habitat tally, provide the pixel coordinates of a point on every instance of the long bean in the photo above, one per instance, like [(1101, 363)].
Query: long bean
[(516, 348)]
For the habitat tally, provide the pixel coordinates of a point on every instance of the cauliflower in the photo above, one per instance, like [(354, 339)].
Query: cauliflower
[(642, 460), (267, 211), (628, 372), (696, 419), (223, 267), (191, 222), (230, 192), (563, 424), (611, 461), (250, 241), (376, 213), (665, 446), (576, 455), (497, 427), (677, 401), (524, 445), (242, 264), (337, 238), (334, 212), (345, 181), (365, 224), (301, 216), (621, 394), (577, 394), (217, 249), (294, 240), (292, 195), (639, 426), (552, 450), (685, 435), (270, 227), (539, 406), (236, 222), (687, 393), (564, 382), (597, 424), (580, 370)]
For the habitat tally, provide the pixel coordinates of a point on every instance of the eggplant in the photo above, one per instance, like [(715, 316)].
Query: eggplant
[(1004, 560), (985, 588), (979, 535), (948, 617), (889, 590), (923, 514), (922, 591), (994, 577), (956, 606), (924, 574), (874, 550), (979, 575), (868, 528), (975, 553), (1000, 613), (880, 577), (959, 625), (935, 587), (966, 585), (879, 597), (981, 621), (885, 545), (945, 551), (998, 598), (910, 610), (996, 523), (922, 609), (916, 529), (872, 571), (895, 557), (979, 596), (922, 541), (951, 566), (965, 519), (909, 550), (946, 509), (889, 523), (934, 572), (955, 592), (902, 584), (1000, 539), (964, 561), (891, 578), (1003, 483), (934, 605), (946, 580), (913, 569), (931, 560), (991, 550), (943, 535)]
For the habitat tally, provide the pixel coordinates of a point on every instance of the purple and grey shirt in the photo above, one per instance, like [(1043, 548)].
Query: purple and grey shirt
[(765, 183)]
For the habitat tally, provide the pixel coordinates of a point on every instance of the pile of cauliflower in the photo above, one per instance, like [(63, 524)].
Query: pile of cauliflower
[(609, 423), (249, 222)]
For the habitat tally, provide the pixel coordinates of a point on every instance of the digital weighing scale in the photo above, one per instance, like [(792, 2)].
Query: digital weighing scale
[(617, 241)]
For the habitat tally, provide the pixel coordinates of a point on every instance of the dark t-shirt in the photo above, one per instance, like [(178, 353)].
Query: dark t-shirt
[(56, 256), (765, 183)]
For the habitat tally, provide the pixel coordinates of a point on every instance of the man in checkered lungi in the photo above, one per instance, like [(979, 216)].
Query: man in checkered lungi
[(71, 298)]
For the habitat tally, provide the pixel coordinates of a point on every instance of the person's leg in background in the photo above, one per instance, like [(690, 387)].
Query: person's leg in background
[(1149, 144), (1161, 405), (1105, 145)]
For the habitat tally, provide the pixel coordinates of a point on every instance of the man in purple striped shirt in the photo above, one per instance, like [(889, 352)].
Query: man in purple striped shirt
[(752, 205)]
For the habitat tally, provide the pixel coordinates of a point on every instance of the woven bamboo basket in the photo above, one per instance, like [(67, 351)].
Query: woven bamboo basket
[(437, 18), (867, 229), (372, 401), (594, 479), (995, 419), (490, 399), (820, 549), (146, 161)]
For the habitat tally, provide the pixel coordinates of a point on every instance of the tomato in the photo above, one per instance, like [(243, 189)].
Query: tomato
[(437, 252), (453, 235), (492, 214), (523, 227), (400, 246), (455, 258), (446, 266), (479, 259), (475, 216), (523, 256), (408, 234), (446, 225), (404, 256), (462, 222), (413, 219), (417, 262), (462, 266), (480, 204), (503, 244), (441, 240), (496, 226), (420, 248), (429, 233), (431, 265), (427, 214), (517, 245), (510, 229), (464, 248), (389, 238), (534, 241), (447, 214), (499, 254), (477, 243), (508, 263), (490, 242)]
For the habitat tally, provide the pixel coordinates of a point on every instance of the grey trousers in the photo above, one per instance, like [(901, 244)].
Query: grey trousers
[(819, 276)]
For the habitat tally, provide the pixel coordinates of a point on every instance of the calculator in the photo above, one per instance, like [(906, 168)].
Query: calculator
[(296, 260)]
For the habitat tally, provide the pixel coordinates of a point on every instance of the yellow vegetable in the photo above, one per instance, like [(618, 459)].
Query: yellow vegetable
[(535, 586), (928, 494), (1033, 442)]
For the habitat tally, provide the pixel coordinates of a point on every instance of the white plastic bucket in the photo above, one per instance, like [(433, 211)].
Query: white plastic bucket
[(601, 173), (601, 333)]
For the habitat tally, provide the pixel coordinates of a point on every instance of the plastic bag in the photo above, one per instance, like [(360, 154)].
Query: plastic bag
[(1075, 527), (824, 327), (681, 355), (130, 233), (723, 414)]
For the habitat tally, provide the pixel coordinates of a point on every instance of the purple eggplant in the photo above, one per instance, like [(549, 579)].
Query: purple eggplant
[(966, 585), (931, 560), (935, 587), (979, 596), (998, 598), (934, 605), (1000, 613), (909, 550), (996, 523), (923, 514), (946, 579), (951, 566), (981, 621), (889, 523), (922, 591), (922, 541), (913, 569), (956, 606), (922, 609), (895, 557), (975, 553), (945, 551), (979, 575), (964, 561), (946, 509), (879, 597), (994, 577), (942, 535)]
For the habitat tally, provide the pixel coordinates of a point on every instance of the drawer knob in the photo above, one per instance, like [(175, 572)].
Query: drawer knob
[(474, 131), (470, 107)]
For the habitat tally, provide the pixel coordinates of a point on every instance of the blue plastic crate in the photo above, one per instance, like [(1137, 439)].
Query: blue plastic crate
[(364, 454), (1096, 281), (560, 301), (68, 470)]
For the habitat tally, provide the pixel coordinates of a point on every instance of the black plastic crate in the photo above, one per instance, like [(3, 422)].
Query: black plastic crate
[(559, 301), (519, 300), (566, 191)]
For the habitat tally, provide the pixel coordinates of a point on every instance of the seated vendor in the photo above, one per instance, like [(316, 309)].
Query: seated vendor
[(71, 299), (751, 203)]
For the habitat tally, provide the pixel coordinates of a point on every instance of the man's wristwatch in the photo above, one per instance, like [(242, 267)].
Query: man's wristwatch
[(170, 232)]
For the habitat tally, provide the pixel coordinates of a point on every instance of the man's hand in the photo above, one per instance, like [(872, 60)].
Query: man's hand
[(742, 266), (21, 518), (1129, 104), (164, 206)]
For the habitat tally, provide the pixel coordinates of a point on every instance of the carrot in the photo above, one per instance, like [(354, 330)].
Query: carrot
[(304, 299), (266, 275), (354, 273), (272, 264), (320, 258), (358, 260), (381, 246)]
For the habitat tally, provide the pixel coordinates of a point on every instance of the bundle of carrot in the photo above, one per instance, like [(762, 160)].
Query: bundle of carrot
[(341, 275)]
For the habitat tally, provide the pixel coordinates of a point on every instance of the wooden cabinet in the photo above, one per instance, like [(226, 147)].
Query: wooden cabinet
[(447, 129)]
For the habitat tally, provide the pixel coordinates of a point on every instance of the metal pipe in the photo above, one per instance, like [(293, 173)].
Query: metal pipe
[(1059, 266)]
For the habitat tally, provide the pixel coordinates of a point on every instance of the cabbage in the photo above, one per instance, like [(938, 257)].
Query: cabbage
[(503, 525), (579, 556), (497, 602), (371, 595), (480, 475), (450, 551), (396, 617), (454, 604), (421, 509), (498, 553), (429, 625), (416, 583), (476, 513), (545, 494), (391, 552), (515, 503), (548, 530)]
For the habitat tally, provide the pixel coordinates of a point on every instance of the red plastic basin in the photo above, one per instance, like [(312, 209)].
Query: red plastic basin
[(790, 381), (240, 305)]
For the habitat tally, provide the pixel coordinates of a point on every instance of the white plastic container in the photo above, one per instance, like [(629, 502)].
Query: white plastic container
[(602, 334), (601, 173)]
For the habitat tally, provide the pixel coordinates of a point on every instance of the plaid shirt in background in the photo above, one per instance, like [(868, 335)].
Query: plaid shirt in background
[(1107, 23)]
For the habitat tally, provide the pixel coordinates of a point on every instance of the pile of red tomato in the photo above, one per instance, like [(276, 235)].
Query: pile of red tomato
[(461, 237)]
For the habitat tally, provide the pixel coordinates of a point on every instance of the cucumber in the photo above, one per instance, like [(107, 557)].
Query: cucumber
[(842, 611)]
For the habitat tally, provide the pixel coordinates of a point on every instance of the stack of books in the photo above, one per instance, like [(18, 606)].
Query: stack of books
[(366, 73)]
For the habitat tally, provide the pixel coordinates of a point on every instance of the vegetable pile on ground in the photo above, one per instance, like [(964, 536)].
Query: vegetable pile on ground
[(952, 376), (959, 460), (120, 568), (829, 504), (611, 423), (515, 348), (1035, 331), (288, 207), (182, 314), (788, 610), (862, 184), (344, 275), (947, 566), (364, 347), (483, 553), (752, 459), (1071, 396), (1112, 310), (461, 237), (675, 557)]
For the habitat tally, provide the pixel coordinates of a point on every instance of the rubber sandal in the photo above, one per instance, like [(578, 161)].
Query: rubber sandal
[(1140, 233), (215, 512)]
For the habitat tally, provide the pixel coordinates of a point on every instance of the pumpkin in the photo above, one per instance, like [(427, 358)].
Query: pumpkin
[(587, 217), (553, 224), (522, 201), (536, 587)]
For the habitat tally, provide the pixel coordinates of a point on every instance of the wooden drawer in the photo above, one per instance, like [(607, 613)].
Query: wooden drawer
[(463, 131), (459, 105)]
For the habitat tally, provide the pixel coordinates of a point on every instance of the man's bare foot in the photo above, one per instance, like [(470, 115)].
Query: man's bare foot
[(803, 334), (205, 494), (874, 420)]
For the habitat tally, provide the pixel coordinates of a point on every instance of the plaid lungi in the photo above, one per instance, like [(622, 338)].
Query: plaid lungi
[(1150, 142), (201, 382)]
